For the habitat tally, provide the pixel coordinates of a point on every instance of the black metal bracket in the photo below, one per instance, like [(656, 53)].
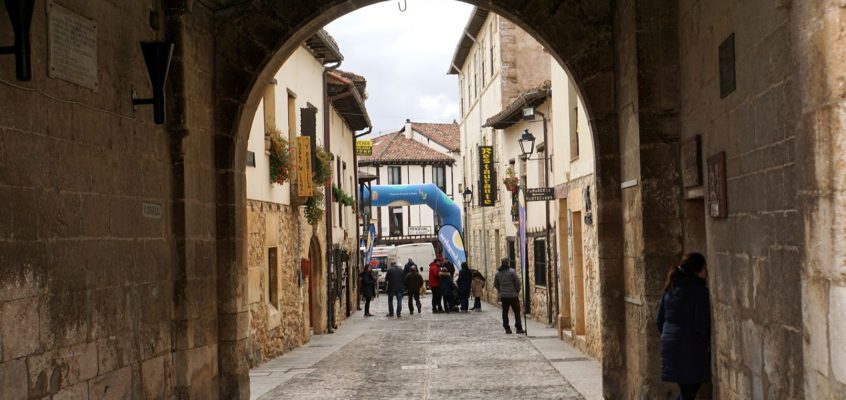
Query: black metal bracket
[(157, 56), (20, 14)]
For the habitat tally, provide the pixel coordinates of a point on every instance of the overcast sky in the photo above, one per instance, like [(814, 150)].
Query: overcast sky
[(404, 56)]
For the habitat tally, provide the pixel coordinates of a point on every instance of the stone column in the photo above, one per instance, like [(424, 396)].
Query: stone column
[(820, 50)]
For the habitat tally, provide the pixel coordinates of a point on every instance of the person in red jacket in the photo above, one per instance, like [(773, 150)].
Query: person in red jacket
[(434, 284)]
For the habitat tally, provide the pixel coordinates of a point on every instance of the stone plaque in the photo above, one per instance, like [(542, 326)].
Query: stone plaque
[(717, 201), (72, 47), (151, 210), (691, 161)]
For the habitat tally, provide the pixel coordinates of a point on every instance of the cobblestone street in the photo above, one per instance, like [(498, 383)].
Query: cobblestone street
[(429, 356)]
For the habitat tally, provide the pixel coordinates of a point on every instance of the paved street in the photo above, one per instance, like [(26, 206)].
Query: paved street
[(429, 356)]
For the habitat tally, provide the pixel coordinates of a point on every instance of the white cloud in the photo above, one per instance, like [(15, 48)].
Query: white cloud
[(405, 57)]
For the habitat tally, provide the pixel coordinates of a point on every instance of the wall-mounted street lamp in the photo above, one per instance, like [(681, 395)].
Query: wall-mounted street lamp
[(527, 144), (20, 15), (468, 196), (157, 55)]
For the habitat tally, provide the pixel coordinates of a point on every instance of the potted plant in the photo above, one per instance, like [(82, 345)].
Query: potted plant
[(512, 182)]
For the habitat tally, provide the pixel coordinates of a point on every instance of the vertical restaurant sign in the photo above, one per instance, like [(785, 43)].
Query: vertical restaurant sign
[(305, 185), (487, 177)]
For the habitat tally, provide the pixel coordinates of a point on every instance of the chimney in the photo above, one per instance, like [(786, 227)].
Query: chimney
[(408, 132)]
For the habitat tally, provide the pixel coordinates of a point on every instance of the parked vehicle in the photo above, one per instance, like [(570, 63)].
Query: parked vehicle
[(421, 253), (380, 255)]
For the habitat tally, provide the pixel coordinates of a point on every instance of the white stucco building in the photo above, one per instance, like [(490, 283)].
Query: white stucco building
[(420, 152)]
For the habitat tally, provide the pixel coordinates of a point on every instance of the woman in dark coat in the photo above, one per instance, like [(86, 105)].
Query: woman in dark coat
[(447, 289), (465, 279), (368, 288), (684, 321)]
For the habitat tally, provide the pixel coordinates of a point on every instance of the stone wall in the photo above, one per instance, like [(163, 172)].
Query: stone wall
[(754, 254), (275, 328), (591, 342)]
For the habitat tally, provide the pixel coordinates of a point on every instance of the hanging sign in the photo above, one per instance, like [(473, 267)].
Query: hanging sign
[(540, 194), (487, 177), (305, 185), (364, 147)]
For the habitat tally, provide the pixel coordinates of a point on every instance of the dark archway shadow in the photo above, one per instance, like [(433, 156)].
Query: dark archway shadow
[(253, 39)]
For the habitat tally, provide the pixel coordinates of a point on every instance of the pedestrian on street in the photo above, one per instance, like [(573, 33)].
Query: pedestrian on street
[(368, 288), (409, 266), (478, 289), (447, 289), (507, 283), (394, 287), (434, 284), (413, 282), (465, 280), (684, 321)]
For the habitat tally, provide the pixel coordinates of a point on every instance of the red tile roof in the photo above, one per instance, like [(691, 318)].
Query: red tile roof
[(396, 148), (446, 135)]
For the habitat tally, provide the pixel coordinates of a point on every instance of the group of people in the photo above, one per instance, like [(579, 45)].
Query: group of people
[(683, 317), (449, 294), (453, 295)]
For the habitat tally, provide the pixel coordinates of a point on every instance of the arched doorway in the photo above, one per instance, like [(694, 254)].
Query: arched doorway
[(315, 308), (255, 38)]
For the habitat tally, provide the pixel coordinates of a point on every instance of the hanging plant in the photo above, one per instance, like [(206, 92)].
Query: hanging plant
[(342, 197), (512, 182), (322, 167), (515, 211), (314, 207), (280, 157)]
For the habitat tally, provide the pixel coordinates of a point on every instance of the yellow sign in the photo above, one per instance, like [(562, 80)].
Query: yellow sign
[(364, 147), (305, 185), (487, 177)]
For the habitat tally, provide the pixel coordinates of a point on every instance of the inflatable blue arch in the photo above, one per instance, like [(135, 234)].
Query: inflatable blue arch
[(436, 199)]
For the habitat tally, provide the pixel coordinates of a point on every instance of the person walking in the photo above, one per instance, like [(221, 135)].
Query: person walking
[(368, 288), (477, 288), (413, 282), (507, 283), (434, 284), (465, 280), (684, 322), (393, 288), (447, 289)]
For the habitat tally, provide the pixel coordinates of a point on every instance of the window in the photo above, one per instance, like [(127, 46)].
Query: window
[(269, 108), (394, 176), (395, 221), (482, 68), (540, 262), (292, 117), (272, 281), (439, 177), (574, 123), (493, 52)]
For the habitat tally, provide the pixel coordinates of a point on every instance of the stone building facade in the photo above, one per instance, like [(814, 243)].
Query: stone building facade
[(122, 241), (301, 278)]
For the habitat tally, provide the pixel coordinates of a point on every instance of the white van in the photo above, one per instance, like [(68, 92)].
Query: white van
[(379, 258), (421, 253)]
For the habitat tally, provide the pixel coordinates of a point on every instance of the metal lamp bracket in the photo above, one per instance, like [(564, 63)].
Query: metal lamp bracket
[(20, 14), (157, 56)]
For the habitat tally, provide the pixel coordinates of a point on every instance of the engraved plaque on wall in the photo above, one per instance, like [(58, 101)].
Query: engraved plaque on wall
[(717, 196), (71, 46), (691, 162)]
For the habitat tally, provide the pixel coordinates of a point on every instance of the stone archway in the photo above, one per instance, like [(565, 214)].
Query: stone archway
[(586, 37)]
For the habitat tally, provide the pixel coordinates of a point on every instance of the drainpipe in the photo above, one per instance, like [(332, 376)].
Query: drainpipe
[(357, 213), (327, 203), (549, 280)]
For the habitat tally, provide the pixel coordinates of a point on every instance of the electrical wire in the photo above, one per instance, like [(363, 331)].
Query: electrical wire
[(73, 102)]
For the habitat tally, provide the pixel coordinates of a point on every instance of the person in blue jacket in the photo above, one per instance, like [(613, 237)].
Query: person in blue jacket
[(684, 321)]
